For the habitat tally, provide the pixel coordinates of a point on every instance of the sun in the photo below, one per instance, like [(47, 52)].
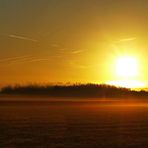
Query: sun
[(127, 72), (127, 67)]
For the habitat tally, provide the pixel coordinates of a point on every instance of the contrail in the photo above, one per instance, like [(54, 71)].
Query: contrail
[(21, 37)]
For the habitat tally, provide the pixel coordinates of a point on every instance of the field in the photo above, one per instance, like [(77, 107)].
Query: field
[(73, 124)]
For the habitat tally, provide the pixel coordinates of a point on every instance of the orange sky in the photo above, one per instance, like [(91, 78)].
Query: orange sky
[(70, 41)]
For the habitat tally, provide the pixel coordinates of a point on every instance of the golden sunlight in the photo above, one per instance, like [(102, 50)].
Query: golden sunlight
[(127, 73), (135, 84), (127, 67)]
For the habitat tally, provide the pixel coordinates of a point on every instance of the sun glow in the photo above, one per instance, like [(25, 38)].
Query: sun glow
[(127, 83), (127, 72), (127, 67)]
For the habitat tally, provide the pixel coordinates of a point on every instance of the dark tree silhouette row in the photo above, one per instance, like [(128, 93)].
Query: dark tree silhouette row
[(76, 90)]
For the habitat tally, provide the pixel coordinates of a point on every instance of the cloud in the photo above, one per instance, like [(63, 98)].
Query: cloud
[(77, 51), (22, 59), (55, 45), (127, 39), (71, 51), (77, 65), (14, 59), (39, 60), (21, 37)]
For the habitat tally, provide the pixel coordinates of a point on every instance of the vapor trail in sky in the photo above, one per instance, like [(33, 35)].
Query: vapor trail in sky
[(21, 37)]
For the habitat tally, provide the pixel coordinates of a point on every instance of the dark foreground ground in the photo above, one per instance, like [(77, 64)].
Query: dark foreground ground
[(73, 124)]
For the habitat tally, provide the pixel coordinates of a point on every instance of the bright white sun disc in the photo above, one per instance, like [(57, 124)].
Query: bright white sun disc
[(127, 67)]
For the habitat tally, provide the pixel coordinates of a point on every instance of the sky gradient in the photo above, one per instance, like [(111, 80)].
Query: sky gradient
[(54, 41)]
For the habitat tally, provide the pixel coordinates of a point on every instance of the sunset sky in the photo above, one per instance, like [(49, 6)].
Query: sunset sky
[(50, 41)]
